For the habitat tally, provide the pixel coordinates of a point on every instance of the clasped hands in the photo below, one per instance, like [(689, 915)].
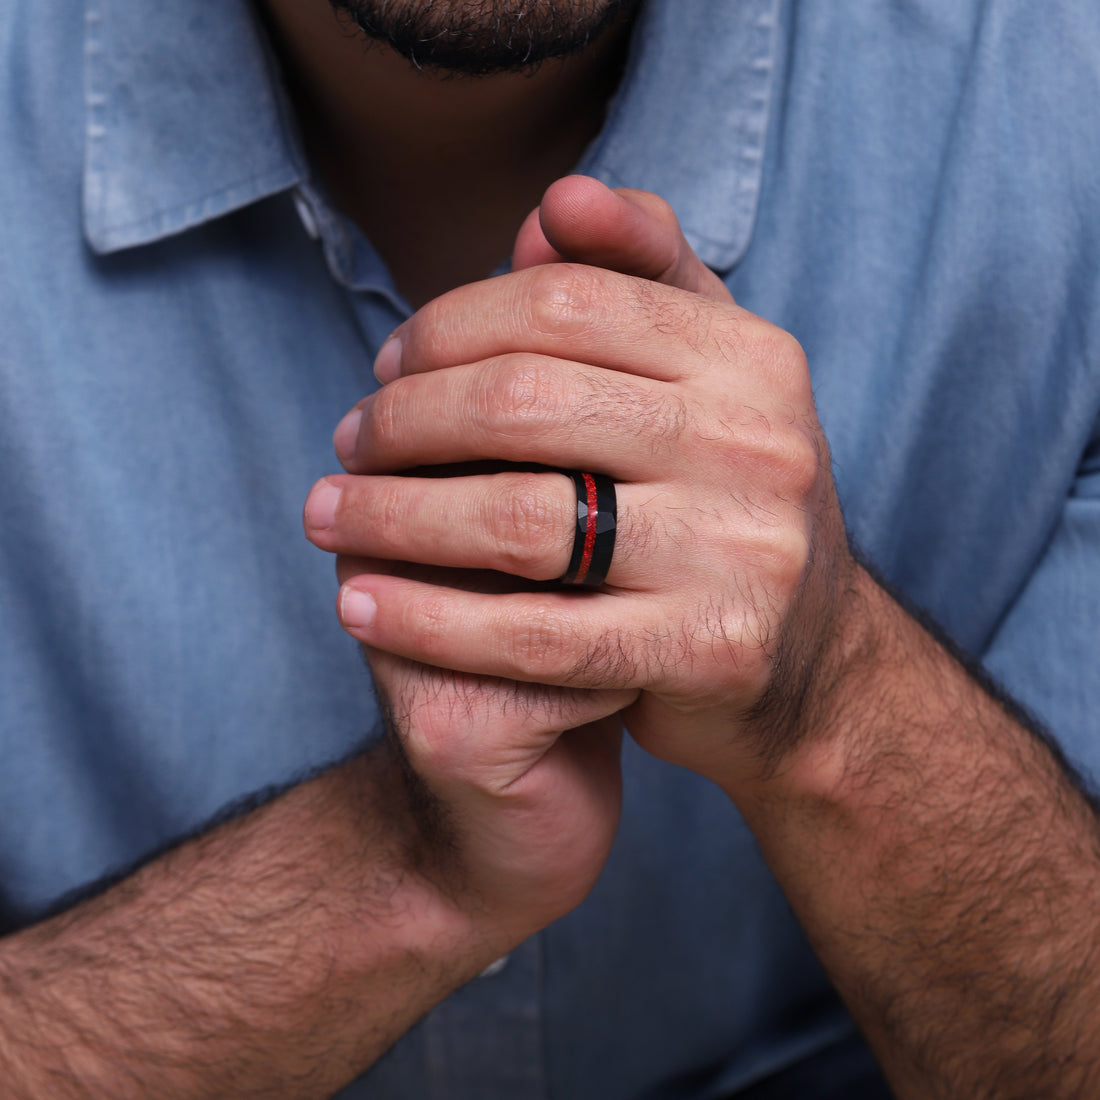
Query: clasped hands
[(609, 348)]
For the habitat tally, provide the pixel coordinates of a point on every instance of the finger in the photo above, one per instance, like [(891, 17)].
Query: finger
[(563, 638), (625, 230), (532, 248), (569, 311), (523, 524), (530, 794), (522, 409), (517, 523), (465, 580), (470, 724)]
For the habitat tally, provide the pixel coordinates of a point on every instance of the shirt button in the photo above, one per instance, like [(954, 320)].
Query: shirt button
[(305, 213), (494, 967)]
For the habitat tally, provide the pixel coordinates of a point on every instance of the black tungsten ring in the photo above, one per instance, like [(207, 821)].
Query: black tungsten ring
[(594, 536)]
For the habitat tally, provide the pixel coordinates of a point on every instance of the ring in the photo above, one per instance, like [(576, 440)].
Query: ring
[(594, 538)]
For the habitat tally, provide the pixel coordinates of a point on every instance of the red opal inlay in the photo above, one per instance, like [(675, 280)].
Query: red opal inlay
[(589, 529)]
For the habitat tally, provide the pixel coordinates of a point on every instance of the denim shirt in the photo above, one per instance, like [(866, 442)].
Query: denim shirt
[(910, 187)]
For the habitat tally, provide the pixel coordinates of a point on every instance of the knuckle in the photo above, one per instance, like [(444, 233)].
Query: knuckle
[(791, 367), (793, 461), (390, 513), (527, 525), (516, 395), (791, 558), (773, 353), (385, 418), (776, 563), (782, 450), (803, 464), (440, 710), (430, 714), (427, 623), (562, 299), (513, 388), (784, 359), (539, 644)]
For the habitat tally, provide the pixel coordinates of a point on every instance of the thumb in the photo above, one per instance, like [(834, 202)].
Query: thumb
[(633, 232)]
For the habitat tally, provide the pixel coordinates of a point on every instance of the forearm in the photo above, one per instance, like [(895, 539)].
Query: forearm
[(946, 869), (939, 858), (278, 955)]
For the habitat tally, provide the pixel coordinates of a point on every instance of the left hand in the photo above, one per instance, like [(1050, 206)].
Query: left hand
[(731, 568)]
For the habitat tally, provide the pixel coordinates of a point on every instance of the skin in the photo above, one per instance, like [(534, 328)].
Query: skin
[(483, 39), (936, 851), (402, 149), (280, 953)]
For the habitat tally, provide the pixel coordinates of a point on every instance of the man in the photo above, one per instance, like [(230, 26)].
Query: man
[(168, 395)]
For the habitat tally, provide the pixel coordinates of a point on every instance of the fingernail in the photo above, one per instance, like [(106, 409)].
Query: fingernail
[(347, 434), (357, 608), (387, 363), (321, 505)]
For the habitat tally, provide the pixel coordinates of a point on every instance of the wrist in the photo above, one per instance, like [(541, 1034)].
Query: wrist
[(415, 887), (856, 673), (232, 955)]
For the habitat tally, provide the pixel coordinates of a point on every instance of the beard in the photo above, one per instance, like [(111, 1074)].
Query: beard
[(483, 37)]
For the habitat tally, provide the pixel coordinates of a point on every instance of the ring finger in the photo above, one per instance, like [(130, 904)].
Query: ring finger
[(521, 523)]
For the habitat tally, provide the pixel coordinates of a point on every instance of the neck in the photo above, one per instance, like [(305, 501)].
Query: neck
[(438, 171)]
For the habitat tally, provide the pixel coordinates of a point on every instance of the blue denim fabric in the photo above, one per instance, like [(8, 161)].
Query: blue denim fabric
[(911, 187)]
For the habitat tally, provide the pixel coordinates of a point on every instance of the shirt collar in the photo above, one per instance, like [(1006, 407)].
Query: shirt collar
[(186, 119), (690, 119)]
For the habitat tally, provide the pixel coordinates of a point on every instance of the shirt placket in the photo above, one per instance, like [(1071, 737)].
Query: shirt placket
[(487, 1038)]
